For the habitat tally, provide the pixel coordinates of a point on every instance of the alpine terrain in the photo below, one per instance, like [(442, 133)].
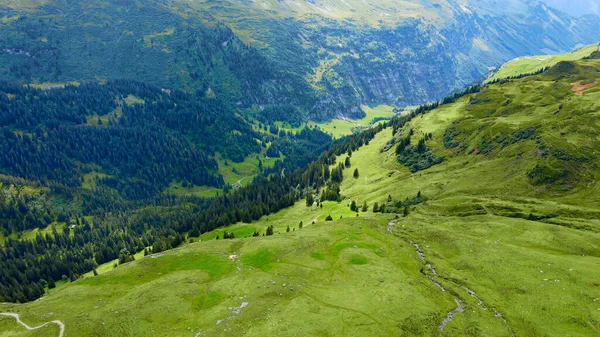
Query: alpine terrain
[(299, 168)]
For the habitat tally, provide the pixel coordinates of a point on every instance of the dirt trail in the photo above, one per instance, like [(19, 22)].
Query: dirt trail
[(60, 324)]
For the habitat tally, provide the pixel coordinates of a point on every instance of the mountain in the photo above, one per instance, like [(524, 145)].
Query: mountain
[(497, 235), (323, 58), (577, 7), (191, 132)]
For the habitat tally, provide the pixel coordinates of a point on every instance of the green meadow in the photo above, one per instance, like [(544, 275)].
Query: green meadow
[(342, 127), (505, 240), (531, 64)]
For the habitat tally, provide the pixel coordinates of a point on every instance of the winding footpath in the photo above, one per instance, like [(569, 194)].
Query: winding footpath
[(60, 324)]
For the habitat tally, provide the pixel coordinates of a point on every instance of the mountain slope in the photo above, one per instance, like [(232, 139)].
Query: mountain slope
[(499, 238), (527, 65), (324, 58)]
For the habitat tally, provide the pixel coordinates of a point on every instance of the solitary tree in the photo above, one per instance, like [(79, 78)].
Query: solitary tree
[(300, 225), (375, 207), (353, 206), (347, 162), (288, 229), (355, 173), (329, 218), (365, 207), (270, 230)]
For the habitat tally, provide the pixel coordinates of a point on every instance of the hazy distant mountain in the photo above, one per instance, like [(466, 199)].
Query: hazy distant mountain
[(324, 57), (576, 7)]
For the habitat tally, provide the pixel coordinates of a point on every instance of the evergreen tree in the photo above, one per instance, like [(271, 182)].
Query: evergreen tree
[(356, 173), (310, 200), (364, 207)]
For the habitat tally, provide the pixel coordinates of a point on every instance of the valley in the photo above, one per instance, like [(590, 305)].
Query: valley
[(499, 238), (298, 168)]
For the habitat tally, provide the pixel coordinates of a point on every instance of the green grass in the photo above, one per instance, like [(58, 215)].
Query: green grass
[(200, 288), (108, 266), (288, 217), (245, 171), (31, 234), (531, 64), (541, 277), (132, 100), (97, 120), (232, 172), (51, 85), (362, 276), (90, 179), (343, 127), (176, 188)]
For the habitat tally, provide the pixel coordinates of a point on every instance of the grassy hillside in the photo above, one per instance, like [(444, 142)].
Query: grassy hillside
[(326, 274), (504, 240), (532, 64)]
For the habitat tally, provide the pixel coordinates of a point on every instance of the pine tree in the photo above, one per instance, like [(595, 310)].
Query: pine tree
[(300, 225), (270, 230), (365, 207), (375, 207), (355, 173), (329, 218), (310, 200), (288, 229)]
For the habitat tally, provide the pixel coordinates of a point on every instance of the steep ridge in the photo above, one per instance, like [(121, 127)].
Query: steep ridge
[(324, 58), (499, 238)]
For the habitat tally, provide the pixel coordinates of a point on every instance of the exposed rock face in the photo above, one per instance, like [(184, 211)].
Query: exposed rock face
[(322, 65), (416, 62)]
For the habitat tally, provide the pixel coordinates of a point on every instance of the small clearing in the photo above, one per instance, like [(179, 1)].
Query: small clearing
[(60, 324)]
